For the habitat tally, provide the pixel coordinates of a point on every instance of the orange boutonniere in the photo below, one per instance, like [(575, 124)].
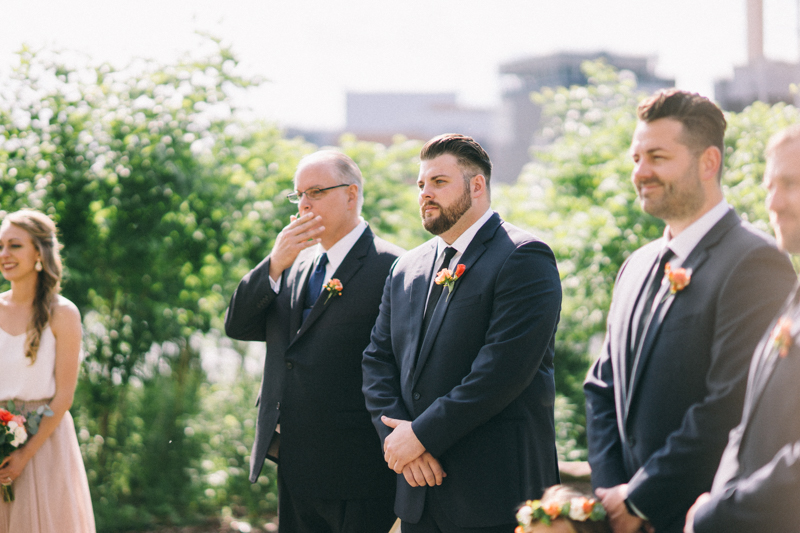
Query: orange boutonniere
[(334, 288), (678, 278), (782, 336), (448, 279)]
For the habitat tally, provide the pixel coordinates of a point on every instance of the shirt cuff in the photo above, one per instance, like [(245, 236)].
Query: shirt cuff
[(276, 285), (632, 509)]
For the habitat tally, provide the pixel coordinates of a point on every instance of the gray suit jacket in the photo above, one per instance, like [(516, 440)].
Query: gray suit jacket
[(664, 434), (312, 372), (757, 485)]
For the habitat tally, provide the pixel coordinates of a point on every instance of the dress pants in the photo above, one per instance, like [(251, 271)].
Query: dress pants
[(317, 515), (434, 520)]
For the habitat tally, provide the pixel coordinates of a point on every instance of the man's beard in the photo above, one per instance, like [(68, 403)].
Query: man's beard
[(679, 200), (448, 216)]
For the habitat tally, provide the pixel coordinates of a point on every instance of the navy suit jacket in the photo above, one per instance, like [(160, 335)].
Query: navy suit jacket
[(758, 481), (312, 372), (664, 434), (479, 387)]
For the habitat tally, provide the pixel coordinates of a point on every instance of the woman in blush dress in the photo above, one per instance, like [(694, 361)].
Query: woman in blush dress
[(40, 344)]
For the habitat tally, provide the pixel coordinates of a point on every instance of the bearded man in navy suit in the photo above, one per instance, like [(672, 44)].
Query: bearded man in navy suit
[(758, 479), (686, 314), (311, 414), (459, 375)]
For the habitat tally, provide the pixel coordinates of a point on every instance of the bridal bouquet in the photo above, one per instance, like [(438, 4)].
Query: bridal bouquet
[(14, 431)]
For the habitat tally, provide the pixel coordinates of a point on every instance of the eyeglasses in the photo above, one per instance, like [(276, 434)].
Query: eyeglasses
[(314, 193)]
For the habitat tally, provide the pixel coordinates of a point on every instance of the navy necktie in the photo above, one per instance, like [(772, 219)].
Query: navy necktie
[(314, 285), (436, 292)]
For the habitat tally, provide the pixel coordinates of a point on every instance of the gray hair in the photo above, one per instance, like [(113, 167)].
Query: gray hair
[(345, 169), (785, 136)]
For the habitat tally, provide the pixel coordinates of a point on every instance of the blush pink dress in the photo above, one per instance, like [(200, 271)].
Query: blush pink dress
[(52, 493)]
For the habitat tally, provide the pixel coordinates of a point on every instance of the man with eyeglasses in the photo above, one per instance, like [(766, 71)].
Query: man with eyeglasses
[(314, 301)]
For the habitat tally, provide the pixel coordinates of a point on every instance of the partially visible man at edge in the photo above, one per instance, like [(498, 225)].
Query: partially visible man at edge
[(331, 474), (459, 376), (686, 314), (758, 480)]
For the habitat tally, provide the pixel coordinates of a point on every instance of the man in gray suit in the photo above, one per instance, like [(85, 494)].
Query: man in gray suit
[(331, 473), (687, 312), (758, 479)]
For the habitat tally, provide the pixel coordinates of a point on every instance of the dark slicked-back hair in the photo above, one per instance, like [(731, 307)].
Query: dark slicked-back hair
[(471, 157), (703, 122)]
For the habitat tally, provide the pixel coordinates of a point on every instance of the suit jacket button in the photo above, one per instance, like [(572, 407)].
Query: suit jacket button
[(288, 365), (417, 396), (278, 406)]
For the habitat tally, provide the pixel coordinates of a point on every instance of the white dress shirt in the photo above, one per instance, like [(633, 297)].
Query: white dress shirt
[(683, 244)]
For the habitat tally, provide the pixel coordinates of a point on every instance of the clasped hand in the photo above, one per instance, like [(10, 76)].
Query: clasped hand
[(12, 466), (406, 455), (621, 520)]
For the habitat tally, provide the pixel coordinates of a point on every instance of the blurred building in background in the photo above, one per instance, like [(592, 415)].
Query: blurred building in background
[(760, 79), (380, 116), (521, 118), (507, 132)]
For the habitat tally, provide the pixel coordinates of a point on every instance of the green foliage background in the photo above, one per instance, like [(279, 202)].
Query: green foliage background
[(165, 199)]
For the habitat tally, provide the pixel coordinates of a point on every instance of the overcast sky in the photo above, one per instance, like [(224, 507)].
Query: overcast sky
[(314, 51)]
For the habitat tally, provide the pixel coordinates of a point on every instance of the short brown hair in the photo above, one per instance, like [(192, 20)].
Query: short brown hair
[(703, 122), (471, 157)]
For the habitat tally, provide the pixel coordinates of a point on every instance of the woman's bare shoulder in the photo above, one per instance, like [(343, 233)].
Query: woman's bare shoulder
[(64, 314)]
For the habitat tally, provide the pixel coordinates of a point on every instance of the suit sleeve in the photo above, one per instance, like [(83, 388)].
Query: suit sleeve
[(764, 501), (380, 372), (246, 316), (605, 443), (754, 291), (525, 311)]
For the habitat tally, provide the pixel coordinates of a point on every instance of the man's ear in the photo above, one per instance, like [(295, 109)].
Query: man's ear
[(352, 194), (478, 186), (710, 162)]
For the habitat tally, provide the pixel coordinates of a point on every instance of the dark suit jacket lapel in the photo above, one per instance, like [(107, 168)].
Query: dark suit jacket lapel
[(471, 255), (768, 357), (637, 282), (421, 277), (694, 262), (347, 269)]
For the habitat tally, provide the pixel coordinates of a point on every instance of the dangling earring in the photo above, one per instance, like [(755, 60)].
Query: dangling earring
[(38, 265)]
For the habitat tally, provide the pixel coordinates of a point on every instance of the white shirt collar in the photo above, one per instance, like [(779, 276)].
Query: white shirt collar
[(463, 240), (339, 251), (683, 244)]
